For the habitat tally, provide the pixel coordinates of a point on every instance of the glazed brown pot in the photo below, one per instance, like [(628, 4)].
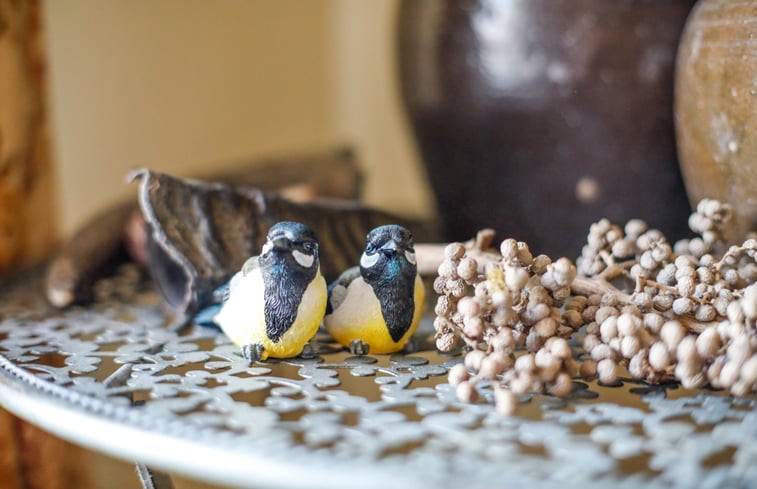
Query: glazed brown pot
[(539, 117), (716, 106)]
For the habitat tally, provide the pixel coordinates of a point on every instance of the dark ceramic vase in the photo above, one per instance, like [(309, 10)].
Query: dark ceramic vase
[(539, 117), (716, 107)]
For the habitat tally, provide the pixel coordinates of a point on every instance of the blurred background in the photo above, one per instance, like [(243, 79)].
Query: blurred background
[(187, 86)]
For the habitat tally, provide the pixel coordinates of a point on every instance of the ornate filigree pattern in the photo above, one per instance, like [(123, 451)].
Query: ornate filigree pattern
[(388, 413)]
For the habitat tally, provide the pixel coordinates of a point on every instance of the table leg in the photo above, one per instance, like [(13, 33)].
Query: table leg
[(153, 479)]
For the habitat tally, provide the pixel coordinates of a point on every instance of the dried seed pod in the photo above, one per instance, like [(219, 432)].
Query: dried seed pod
[(643, 301), (601, 352), (594, 300), (714, 370), (623, 248), (548, 365), (592, 328), (590, 342), (546, 328), (672, 333), (503, 340), (605, 312), (525, 363), (708, 343), (573, 318), (631, 309), (667, 274), (629, 324), (533, 341), (683, 305), (609, 329), (443, 306), (520, 385), (741, 388), (659, 358), (562, 385), (705, 313), (454, 251), (509, 250), (493, 365), (468, 307), (448, 269), (540, 264), (456, 288), (524, 254), (630, 346), (653, 322), (647, 260), (589, 313), (748, 372), (467, 269), (735, 313), (637, 365), (607, 371), (749, 302), (473, 327), (588, 369), (687, 349), (458, 374), (662, 302), (466, 391), (473, 360), (516, 278), (635, 228), (505, 401), (446, 342), (739, 349), (729, 374), (440, 285), (560, 348)]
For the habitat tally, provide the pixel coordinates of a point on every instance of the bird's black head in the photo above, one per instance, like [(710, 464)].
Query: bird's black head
[(291, 245), (389, 253), (288, 264)]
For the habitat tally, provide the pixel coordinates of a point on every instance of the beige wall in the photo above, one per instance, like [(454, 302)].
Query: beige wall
[(177, 84)]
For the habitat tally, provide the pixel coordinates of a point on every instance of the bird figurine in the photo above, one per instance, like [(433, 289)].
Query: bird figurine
[(377, 306), (273, 306)]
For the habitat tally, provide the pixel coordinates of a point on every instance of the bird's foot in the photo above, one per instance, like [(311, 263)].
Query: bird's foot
[(412, 346), (253, 352), (357, 347), (308, 351)]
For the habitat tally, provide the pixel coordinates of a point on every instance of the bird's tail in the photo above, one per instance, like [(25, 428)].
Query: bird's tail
[(206, 317)]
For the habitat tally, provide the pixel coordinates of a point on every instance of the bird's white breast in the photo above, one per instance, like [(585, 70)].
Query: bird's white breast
[(242, 316)]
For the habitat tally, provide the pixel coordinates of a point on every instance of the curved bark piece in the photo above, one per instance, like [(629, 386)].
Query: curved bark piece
[(100, 243), (200, 233)]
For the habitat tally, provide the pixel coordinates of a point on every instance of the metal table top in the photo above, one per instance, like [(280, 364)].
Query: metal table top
[(114, 377)]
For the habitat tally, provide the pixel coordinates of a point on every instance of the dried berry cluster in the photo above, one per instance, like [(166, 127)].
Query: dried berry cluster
[(686, 311), (520, 301)]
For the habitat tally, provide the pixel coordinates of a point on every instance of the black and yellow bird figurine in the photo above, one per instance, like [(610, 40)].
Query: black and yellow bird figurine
[(377, 306), (274, 305)]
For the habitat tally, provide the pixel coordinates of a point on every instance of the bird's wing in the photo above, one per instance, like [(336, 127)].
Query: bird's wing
[(338, 289), (249, 267)]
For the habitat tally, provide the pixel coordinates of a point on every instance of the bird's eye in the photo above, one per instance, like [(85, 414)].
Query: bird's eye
[(370, 248), (308, 247)]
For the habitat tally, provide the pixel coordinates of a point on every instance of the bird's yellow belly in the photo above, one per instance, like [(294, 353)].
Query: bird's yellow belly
[(242, 318), (360, 317)]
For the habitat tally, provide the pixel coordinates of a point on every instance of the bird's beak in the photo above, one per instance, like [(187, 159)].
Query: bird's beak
[(390, 248), (281, 244)]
